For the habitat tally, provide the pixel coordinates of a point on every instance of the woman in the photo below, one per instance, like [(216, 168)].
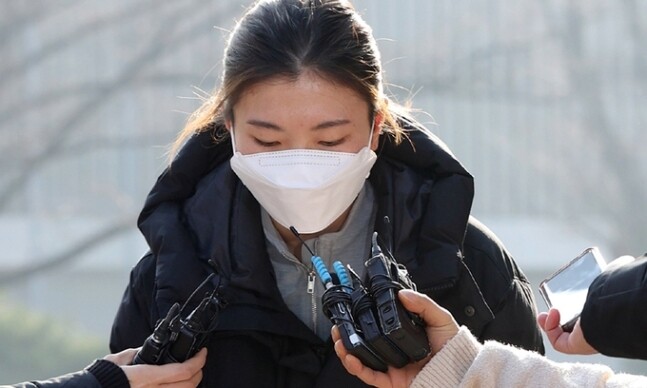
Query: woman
[(299, 122)]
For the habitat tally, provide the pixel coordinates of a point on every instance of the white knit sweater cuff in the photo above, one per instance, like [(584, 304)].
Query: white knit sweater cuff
[(447, 367)]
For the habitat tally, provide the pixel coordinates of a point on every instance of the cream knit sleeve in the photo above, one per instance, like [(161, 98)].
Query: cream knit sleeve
[(464, 362)]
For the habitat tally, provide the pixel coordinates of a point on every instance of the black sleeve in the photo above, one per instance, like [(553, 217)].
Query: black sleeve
[(614, 317), (82, 379), (136, 315), (100, 374)]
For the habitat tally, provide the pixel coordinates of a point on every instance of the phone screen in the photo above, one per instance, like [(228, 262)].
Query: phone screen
[(567, 288)]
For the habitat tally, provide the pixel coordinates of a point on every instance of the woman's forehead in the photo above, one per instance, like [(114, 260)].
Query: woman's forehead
[(307, 97)]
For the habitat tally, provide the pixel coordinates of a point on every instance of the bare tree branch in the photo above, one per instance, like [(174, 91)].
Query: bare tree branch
[(90, 105), (587, 88), (73, 252), (59, 144), (86, 90), (71, 37), (14, 20)]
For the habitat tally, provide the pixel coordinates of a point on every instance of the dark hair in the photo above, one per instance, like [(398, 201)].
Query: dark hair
[(285, 38)]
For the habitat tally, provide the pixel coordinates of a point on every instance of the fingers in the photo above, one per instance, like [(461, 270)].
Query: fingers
[(562, 341), (175, 372), (355, 367), (549, 320), (569, 343), (334, 332), (188, 372), (124, 357), (199, 359), (440, 328), (195, 380), (552, 328), (552, 319), (341, 351), (420, 304), (429, 311), (194, 365), (192, 383), (541, 319)]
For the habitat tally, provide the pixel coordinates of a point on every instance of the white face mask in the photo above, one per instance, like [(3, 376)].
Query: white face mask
[(307, 189)]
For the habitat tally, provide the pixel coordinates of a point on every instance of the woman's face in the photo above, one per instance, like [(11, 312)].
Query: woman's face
[(309, 113)]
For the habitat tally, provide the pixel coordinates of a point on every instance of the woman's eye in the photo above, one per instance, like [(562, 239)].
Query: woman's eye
[(332, 143), (266, 143)]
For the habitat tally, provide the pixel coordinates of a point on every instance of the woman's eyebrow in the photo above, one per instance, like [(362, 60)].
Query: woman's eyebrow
[(264, 124), (322, 125), (331, 123)]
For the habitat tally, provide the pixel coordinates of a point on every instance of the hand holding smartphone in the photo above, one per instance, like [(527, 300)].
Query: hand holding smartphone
[(566, 289)]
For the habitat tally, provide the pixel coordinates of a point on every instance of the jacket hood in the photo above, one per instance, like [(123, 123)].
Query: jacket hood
[(424, 198)]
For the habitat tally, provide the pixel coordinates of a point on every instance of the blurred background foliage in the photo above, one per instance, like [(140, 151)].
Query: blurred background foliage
[(26, 336)]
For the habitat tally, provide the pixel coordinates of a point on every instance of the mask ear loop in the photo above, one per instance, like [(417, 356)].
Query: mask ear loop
[(370, 137), (233, 140)]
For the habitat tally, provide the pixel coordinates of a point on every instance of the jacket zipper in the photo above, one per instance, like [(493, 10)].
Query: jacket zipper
[(313, 298)]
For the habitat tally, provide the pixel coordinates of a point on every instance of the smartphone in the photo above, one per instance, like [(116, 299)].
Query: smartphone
[(567, 288)]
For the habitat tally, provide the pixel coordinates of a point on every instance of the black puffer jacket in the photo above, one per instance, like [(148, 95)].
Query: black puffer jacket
[(200, 210), (614, 318)]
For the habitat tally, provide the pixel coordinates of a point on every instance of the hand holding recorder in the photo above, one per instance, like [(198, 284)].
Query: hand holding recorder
[(440, 328), (177, 338), (371, 322)]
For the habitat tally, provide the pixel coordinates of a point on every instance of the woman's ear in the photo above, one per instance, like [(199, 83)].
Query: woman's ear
[(377, 130)]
